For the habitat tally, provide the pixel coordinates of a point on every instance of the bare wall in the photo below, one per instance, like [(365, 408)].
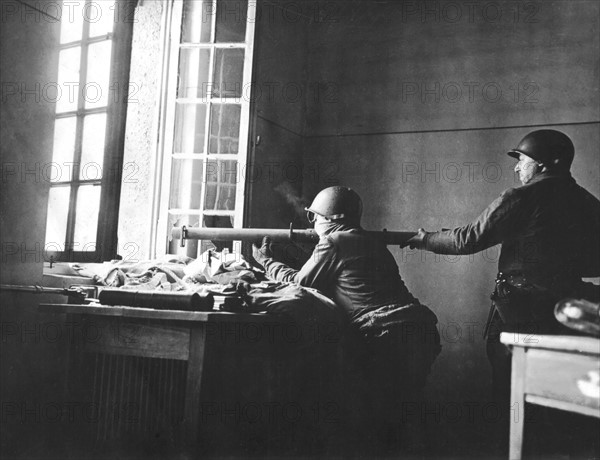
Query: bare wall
[(139, 161), (30, 375)]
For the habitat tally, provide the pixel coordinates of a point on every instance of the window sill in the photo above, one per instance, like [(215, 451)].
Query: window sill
[(61, 275)]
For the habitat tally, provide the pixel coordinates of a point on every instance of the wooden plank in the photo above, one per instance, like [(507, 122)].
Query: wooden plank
[(149, 313), (72, 365), (115, 336), (517, 402), (562, 377), (562, 405), (193, 386), (579, 344)]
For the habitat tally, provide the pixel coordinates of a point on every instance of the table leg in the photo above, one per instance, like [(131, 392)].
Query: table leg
[(193, 386), (517, 402)]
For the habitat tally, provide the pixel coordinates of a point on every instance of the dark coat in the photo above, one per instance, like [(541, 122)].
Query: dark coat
[(549, 230)]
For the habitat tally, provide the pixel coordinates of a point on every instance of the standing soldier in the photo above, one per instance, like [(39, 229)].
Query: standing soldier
[(548, 229)]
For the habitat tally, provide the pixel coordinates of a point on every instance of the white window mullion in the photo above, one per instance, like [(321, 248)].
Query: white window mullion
[(240, 199), (213, 25), (163, 179), (202, 100), (214, 45), (201, 157), (207, 121), (196, 212), (172, 103), (213, 212)]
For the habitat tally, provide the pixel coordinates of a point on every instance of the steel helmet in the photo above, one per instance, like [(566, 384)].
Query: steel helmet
[(337, 203), (552, 148)]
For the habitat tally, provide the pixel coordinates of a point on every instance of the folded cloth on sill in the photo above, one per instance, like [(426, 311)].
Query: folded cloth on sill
[(173, 273), (100, 271), (153, 278), (221, 268), (164, 273)]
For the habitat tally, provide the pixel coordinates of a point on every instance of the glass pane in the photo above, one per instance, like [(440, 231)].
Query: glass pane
[(197, 21), (193, 72), (92, 147), (186, 184), (225, 128), (231, 20), (229, 73), (71, 22), (190, 124), (221, 181), (191, 246), (86, 220), (63, 150), (101, 16), (68, 79), (56, 222), (96, 89)]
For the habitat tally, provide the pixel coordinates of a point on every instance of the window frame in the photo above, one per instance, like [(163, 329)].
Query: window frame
[(160, 232), (106, 244)]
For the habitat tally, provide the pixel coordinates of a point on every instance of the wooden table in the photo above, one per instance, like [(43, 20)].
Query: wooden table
[(190, 337), (560, 372)]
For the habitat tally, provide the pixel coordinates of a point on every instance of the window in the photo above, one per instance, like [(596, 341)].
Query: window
[(92, 88), (206, 119)]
